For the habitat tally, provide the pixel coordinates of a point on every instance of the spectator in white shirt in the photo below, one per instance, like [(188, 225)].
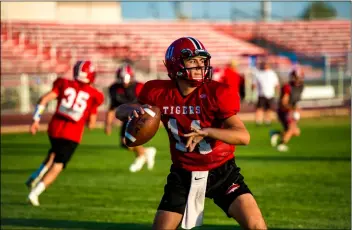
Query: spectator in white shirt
[(266, 82)]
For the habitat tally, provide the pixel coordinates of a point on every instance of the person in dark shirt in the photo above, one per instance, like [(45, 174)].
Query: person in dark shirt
[(126, 90), (288, 112)]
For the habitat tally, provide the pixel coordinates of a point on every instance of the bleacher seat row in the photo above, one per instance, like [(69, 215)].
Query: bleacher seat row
[(51, 47)]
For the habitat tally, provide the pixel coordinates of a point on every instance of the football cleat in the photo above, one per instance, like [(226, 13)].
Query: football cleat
[(138, 164), (33, 199), (274, 140), (282, 148), (274, 137), (150, 155)]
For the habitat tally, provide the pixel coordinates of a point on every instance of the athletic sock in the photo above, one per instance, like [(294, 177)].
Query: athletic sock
[(38, 189)]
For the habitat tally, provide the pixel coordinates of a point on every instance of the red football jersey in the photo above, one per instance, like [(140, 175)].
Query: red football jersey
[(75, 103), (294, 93), (206, 106), (230, 78)]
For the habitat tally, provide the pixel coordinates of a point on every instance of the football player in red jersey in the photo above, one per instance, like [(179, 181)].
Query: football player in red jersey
[(200, 117), (230, 76), (77, 103), (126, 90), (288, 112)]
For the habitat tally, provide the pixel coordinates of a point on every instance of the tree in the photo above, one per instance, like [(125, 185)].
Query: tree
[(318, 10)]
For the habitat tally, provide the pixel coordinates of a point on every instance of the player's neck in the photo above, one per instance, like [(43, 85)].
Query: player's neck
[(185, 88)]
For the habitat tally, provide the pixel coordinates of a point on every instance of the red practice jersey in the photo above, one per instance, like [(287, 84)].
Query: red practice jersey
[(230, 77), (294, 93), (75, 103), (207, 106)]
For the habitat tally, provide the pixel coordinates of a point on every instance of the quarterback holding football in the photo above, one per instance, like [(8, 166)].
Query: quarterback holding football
[(199, 115)]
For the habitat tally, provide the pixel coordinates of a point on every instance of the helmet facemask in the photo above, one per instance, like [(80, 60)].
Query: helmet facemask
[(124, 75), (185, 73), (124, 79)]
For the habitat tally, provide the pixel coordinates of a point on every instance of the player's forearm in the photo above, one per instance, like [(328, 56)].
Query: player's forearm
[(40, 107), (124, 110), (233, 136), (43, 101)]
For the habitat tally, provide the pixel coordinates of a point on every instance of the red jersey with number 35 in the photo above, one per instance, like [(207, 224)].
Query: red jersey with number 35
[(75, 103), (207, 106)]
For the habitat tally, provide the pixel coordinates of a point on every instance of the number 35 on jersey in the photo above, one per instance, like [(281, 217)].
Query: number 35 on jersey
[(74, 103)]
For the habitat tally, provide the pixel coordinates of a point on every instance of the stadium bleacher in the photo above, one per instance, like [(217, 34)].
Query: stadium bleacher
[(49, 47), (311, 38)]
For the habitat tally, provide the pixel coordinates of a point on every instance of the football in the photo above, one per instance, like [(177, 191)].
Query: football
[(141, 129)]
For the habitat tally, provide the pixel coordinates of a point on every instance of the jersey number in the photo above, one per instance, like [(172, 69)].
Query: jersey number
[(74, 104), (203, 146)]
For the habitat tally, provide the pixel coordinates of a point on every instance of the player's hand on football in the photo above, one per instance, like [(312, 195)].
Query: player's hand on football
[(34, 127), (139, 110), (195, 137)]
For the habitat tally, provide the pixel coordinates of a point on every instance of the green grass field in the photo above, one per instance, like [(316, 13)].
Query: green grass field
[(307, 188)]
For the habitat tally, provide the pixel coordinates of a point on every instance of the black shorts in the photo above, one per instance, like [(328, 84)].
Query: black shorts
[(122, 134), (63, 149), (265, 103), (220, 182)]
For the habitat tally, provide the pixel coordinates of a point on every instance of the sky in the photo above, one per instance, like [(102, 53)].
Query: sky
[(222, 10)]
